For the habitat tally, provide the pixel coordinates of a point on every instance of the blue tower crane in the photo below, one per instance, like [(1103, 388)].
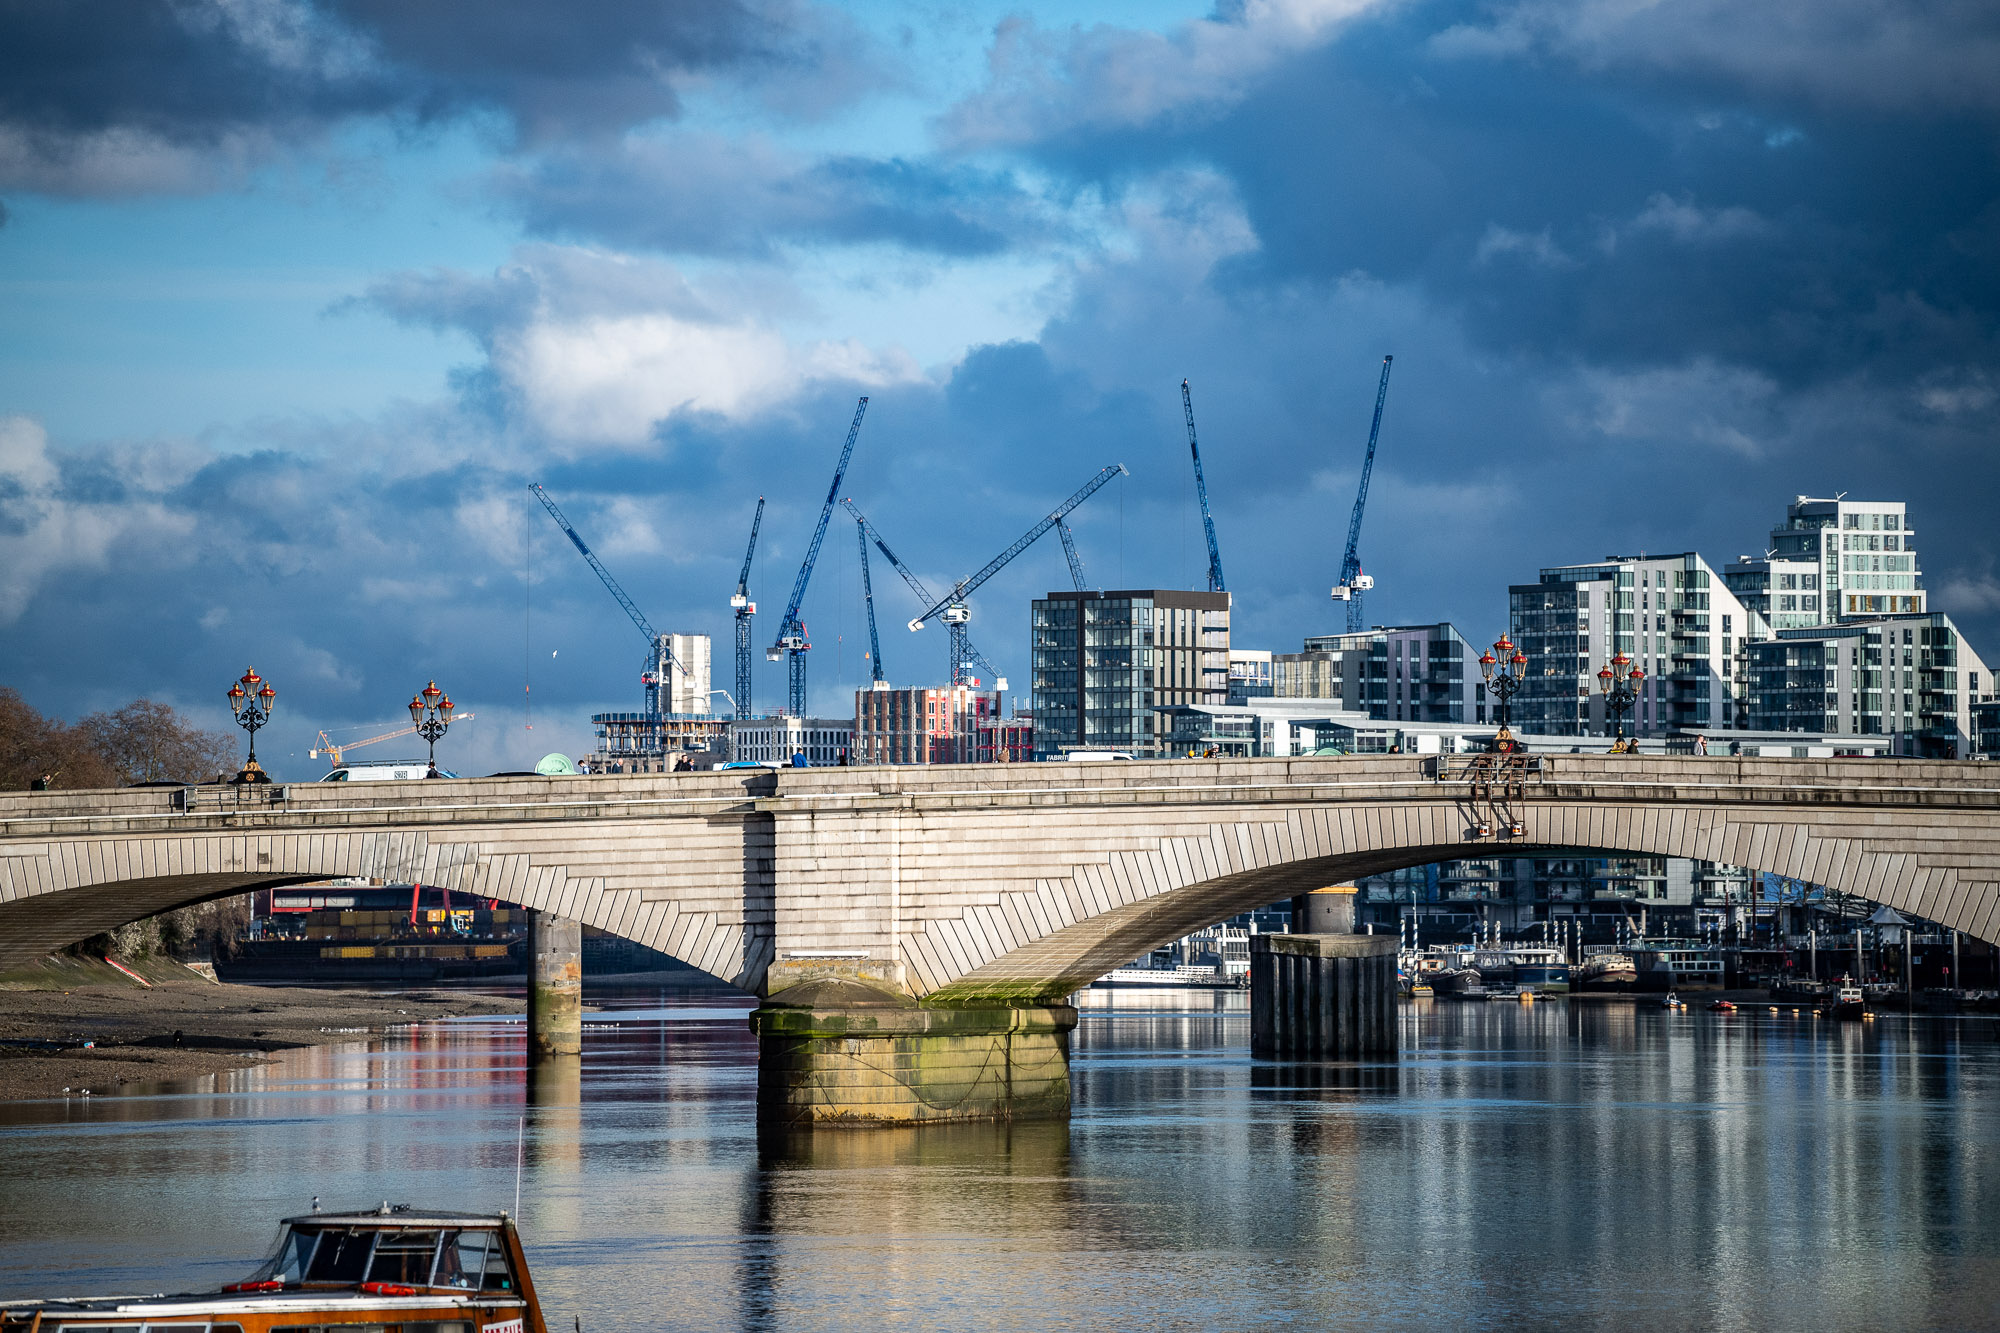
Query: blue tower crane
[(1353, 582), (746, 611), (951, 608), (876, 680), (1215, 583), (792, 642), (661, 660), (924, 596)]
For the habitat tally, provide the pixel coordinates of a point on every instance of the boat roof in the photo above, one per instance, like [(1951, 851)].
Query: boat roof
[(168, 1304), (400, 1216)]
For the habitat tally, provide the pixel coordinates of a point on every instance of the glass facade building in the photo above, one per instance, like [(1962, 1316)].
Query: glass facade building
[(1402, 673), (1670, 614), (1102, 662), (1910, 678)]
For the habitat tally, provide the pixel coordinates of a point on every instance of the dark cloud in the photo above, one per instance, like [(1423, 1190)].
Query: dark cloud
[(134, 95), (1652, 210)]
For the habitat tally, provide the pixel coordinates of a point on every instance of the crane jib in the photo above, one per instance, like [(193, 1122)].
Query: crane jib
[(965, 586), (638, 617)]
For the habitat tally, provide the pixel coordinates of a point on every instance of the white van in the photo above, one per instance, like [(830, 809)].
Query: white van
[(1097, 756), (384, 772)]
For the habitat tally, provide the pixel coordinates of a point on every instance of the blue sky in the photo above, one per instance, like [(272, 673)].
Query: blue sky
[(296, 298)]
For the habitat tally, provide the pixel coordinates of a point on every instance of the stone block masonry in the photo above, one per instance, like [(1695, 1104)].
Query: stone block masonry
[(837, 1054)]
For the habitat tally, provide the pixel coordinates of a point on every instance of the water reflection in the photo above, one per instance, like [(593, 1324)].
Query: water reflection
[(1518, 1165)]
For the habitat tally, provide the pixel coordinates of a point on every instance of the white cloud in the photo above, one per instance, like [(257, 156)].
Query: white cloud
[(1686, 222), (612, 378), (599, 348), (1715, 406), (43, 534), (1534, 247)]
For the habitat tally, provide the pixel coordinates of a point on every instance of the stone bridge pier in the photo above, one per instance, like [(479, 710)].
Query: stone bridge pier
[(915, 932)]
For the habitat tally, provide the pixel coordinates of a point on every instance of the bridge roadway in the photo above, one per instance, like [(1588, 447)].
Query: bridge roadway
[(981, 885)]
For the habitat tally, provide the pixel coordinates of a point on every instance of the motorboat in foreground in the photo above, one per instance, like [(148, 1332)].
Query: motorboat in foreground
[(390, 1268)]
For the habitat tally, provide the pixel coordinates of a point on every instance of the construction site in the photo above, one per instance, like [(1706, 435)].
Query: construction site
[(1102, 669)]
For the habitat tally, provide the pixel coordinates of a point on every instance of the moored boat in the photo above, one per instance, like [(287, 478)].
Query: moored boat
[(391, 1268), (1847, 1001), (1540, 967), (1613, 971)]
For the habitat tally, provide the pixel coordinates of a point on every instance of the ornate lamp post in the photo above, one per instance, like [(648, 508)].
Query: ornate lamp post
[(1505, 670), (251, 700), (1620, 689), (430, 709)]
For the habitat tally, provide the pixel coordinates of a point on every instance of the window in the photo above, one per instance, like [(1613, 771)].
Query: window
[(342, 1256), (404, 1257)]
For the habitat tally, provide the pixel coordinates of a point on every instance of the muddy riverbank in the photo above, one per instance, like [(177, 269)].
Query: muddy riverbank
[(99, 1035)]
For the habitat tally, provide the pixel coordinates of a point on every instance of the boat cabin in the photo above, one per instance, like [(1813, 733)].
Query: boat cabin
[(1665, 965), (391, 1270)]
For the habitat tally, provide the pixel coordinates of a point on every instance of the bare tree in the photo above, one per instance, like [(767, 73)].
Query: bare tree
[(44, 751), (151, 742)]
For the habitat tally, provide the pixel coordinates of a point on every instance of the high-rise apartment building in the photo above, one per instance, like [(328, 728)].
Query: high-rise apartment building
[(1670, 614), (1403, 673), (1863, 553), (1104, 661), (1910, 678)]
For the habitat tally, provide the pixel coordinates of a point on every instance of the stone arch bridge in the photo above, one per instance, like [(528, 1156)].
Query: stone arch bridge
[(990, 884)]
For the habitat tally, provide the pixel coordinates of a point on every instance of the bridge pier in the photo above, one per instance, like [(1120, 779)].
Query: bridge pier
[(1322, 996), (555, 987), (838, 1053)]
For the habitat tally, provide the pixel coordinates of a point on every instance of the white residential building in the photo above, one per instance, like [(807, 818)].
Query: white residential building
[(1863, 552), (824, 741), (1671, 614)]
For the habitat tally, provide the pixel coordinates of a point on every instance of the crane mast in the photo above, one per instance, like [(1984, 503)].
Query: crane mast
[(1215, 583), (924, 596), (1353, 583), (876, 679), (951, 608), (792, 642), (746, 611)]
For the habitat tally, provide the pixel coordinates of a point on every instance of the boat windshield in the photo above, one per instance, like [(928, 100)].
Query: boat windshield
[(470, 1259)]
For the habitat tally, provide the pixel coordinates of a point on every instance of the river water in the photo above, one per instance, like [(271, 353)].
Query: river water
[(1586, 1164)]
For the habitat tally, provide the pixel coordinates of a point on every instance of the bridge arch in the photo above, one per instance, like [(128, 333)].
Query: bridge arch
[(1162, 881), (55, 893)]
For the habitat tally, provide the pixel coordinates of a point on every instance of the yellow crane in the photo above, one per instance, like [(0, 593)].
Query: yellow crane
[(333, 751)]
